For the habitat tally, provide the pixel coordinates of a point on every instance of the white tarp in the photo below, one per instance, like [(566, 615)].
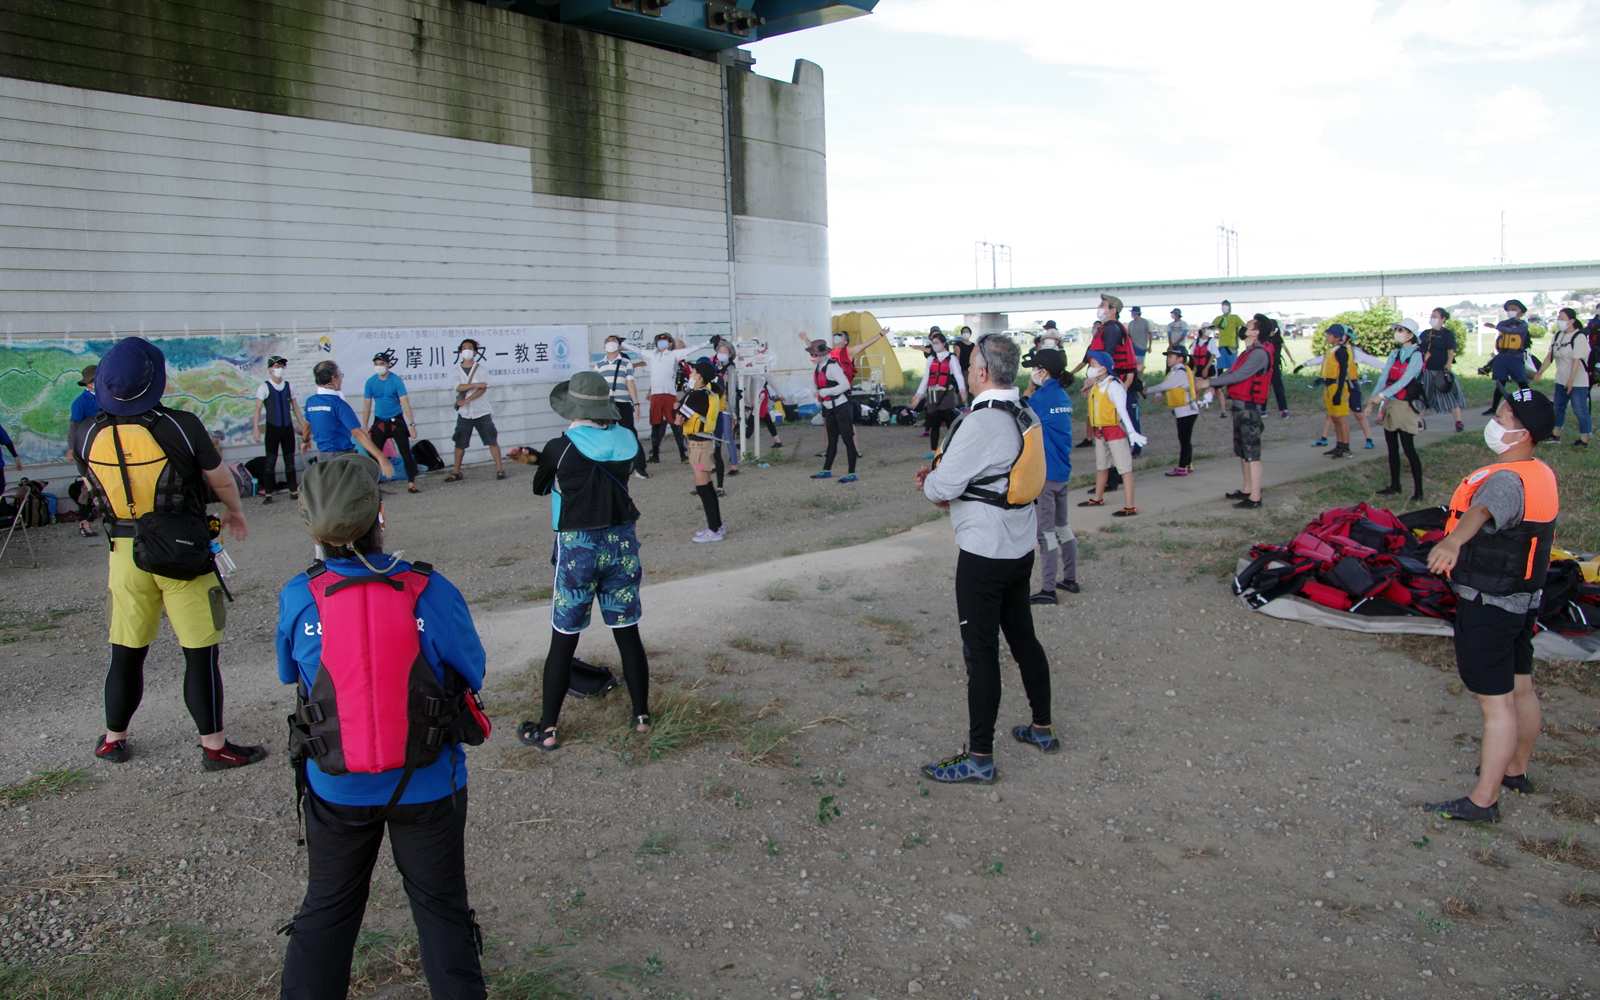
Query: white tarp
[(426, 358)]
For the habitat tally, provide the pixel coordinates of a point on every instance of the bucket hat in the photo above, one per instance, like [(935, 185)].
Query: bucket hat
[(584, 397), (130, 377)]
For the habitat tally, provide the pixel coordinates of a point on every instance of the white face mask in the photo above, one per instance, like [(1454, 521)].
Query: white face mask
[(276, 373), (722, 356), (1227, 309), (1494, 436), (1436, 323), (1102, 314), (381, 369), (839, 342), (1050, 343), (662, 345), (1096, 372), (468, 355), (613, 347)]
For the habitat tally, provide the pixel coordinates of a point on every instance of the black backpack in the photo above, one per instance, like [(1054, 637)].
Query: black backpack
[(1593, 330), (427, 455), (34, 511), (590, 680)]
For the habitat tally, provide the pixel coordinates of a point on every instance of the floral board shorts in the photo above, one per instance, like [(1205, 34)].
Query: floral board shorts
[(602, 563)]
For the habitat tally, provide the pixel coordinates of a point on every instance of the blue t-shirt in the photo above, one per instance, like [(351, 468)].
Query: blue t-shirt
[(385, 394), (613, 444), (1051, 403), (331, 420), (448, 638), (5, 442), (84, 407)]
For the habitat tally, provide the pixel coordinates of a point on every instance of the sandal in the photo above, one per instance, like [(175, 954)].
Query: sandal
[(641, 723), (412, 488), (1092, 503), (1125, 512), (454, 477), (533, 736), (499, 473)]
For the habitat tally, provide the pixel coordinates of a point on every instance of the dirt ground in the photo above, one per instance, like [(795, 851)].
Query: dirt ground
[(1234, 813)]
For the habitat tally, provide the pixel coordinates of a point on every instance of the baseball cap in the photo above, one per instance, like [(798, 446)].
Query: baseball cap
[(1178, 350), (1100, 358), (87, 375), (1048, 358), (1535, 412), (1112, 302), (277, 362), (1340, 330), (339, 498), (708, 371)]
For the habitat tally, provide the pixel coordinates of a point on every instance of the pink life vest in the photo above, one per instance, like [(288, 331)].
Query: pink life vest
[(376, 704)]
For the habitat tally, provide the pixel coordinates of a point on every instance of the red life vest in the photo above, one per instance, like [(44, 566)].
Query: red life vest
[(376, 704), (1200, 360), (819, 374), (1255, 388), (939, 373), (1123, 357), (1397, 371), (842, 355)]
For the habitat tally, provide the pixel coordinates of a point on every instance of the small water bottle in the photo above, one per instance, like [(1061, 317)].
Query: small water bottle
[(225, 566)]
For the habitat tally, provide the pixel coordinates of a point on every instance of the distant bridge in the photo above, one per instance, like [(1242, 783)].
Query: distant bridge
[(1162, 295)]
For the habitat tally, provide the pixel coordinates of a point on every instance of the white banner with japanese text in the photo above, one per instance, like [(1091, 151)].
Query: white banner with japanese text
[(427, 358)]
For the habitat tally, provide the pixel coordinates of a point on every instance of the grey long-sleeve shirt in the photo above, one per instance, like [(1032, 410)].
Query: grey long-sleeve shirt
[(1252, 363), (983, 443)]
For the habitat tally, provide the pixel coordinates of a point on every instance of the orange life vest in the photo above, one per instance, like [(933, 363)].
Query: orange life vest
[(1511, 560)]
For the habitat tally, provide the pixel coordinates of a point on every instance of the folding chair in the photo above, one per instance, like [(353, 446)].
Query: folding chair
[(17, 494)]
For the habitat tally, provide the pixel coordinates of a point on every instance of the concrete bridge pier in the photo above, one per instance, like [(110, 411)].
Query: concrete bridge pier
[(983, 323)]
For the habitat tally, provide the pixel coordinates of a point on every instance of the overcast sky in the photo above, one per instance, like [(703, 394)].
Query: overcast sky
[(1108, 141)]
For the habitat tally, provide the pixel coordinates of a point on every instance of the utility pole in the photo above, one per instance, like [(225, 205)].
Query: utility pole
[(994, 253), (1502, 259), (1227, 251)]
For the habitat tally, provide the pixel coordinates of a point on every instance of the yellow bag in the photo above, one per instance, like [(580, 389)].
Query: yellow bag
[(1025, 479)]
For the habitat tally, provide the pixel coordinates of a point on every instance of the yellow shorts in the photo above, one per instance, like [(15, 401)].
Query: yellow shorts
[(196, 608), (1341, 408)]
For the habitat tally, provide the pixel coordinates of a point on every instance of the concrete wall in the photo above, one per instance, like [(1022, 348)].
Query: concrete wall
[(206, 165)]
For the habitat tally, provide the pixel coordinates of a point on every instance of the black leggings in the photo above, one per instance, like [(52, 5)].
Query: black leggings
[(840, 425), (558, 671), (395, 429), (278, 439), (1397, 440), (1186, 440), (202, 687), (625, 409), (1277, 389), (935, 419), (991, 598), (713, 509), (766, 421), (658, 432)]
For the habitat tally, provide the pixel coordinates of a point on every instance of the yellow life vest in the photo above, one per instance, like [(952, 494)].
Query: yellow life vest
[(697, 424), (1509, 341), (1330, 365), (1102, 411), (1179, 396), (1025, 479)]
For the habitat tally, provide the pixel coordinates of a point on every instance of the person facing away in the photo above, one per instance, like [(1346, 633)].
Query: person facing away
[(1048, 397), (1496, 551), (168, 574), (585, 473), (362, 619), (994, 566)]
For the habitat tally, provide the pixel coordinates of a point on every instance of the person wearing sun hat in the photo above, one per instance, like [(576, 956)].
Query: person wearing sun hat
[(349, 809), (585, 473), (1495, 551), (162, 506)]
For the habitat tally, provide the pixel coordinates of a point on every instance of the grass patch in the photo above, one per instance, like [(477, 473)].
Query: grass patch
[(105, 981), (52, 781), (1457, 907), (1568, 850), (898, 632), (655, 845), (22, 626), (781, 590), (1571, 805), (765, 739), (783, 649), (831, 503)]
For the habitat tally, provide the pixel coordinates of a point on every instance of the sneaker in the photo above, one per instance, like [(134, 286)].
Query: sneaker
[(1070, 586), (1179, 471), (1248, 504), (266, 499), (820, 454), (112, 753), (777, 444), (294, 494), (707, 535), (848, 479), (1043, 597), (1519, 783), (1283, 414), (1236, 495), (1465, 809), (926, 458), (1320, 443), (923, 434), (231, 755), (824, 474), (1388, 491), (1580, 444), (653, 460), (1086, 443), (86, 531), (1370, 445), (640, 474), (1335, 451), (721, 493), (1343, 451), (1488, 413), (1046, 742), (1460, 427), (1416, 498), (960, 768)]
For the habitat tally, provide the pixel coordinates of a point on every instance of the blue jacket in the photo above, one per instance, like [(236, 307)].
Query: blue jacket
[(331, 420), (448, 638), (1053, 405), (84, 407)]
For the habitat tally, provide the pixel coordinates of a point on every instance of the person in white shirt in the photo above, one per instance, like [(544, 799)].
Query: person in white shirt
[(662, 364), (472, 409), (943, 385), (1569, 349), (1112, 430), (1178, 332), (618, 368), (833, 398)]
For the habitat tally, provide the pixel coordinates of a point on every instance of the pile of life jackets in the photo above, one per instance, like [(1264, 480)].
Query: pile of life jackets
[(1369, 561)]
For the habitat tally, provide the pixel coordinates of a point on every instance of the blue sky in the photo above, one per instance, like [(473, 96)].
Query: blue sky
[(1107, 142)]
